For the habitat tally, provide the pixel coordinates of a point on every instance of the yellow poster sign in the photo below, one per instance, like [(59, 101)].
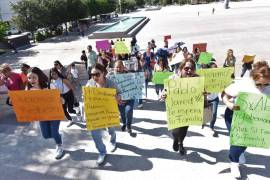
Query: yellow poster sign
[(216, 79), (37, 105), (248, 58), (184, 102), (101, 108)]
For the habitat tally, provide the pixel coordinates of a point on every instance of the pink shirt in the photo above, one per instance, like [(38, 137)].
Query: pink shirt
[(14, 81)]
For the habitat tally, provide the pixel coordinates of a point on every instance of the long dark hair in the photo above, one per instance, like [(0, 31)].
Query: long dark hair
[(42, 78), (57, 72), (58, 62)]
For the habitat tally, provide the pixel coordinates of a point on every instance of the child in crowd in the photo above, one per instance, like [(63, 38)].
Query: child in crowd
[(24, 71)]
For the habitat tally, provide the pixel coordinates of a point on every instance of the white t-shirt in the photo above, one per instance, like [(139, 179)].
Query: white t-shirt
[(59, 84), (245, 85), (74, 72)]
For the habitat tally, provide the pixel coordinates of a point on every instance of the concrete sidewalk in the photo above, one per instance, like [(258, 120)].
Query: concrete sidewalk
[(24, 154)]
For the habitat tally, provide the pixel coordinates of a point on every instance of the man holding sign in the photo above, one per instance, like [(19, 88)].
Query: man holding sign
[(35, 107), (101, 109), (250, 126)]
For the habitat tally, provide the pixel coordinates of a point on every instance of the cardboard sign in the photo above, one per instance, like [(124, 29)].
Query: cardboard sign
[(251, 124), (178, 58), (121, 48), (167, 37), (248, 59), (131, 85), (37, 105), (184, 102), (100, 106), (159, 77), (103, 45), (205, 58), (216, 79), (201, 46)]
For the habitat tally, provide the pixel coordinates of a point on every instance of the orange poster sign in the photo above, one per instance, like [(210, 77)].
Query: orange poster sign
[(37, 105), (201, 46)]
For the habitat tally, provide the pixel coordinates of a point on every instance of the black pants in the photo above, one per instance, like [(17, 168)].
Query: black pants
[(179, 134), (69, 103)]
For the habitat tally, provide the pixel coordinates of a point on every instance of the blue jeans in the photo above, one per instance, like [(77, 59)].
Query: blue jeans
[(50, 129), (159, 87), (126, 112), (97, 137), (235, 151), (215, 103)]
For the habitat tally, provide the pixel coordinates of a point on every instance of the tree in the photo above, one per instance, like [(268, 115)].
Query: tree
[(28, 13), (3, 29), (95, 7)]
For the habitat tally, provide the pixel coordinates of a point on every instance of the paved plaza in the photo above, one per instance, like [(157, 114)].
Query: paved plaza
[(148, 155)]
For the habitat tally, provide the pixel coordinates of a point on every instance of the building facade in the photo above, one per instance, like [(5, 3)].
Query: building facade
[(5, 10)]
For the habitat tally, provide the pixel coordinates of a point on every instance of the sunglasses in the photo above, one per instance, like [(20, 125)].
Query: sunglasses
[(262, 85), (95, 74), (188, 68)]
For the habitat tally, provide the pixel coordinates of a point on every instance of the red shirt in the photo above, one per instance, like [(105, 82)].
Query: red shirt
[(14, 81)]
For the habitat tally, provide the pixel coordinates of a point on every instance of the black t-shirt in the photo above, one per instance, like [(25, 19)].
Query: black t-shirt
[(84, 58)]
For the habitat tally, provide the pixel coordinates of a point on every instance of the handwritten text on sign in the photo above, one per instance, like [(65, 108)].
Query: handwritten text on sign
[(184, 102), (251, 124), (131, 85), (216, 79), (37, 105), (101, 108)]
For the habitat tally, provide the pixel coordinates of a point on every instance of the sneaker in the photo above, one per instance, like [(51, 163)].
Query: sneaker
[(175, 145), (140, 106), (242, 159), (113, 147), (235, 172), (101, 159), (123, 128), (129, 130), (70, 123), (182, 150), (59, 152)]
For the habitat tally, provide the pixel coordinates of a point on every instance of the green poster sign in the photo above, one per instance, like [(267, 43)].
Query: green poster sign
[(216, 79), (205, 58), (184, 102), (159, 77), (251, 124), (121, 48)]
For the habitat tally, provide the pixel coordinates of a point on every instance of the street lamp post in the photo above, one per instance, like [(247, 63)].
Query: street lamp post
[(226, 4)]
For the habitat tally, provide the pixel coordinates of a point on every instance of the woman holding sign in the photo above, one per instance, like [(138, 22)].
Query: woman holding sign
[(125, 106), (99, 80), (186, 69), (260, 84), (37, 80)]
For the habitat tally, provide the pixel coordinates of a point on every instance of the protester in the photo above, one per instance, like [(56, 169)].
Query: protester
[(160, 67), (37, 80), (142, 67), (66, 91), (125, 106), (99, 80), (213, 100), (186, 70), (230, 59), (84, 58), (258, 83), (246, 66), (91, 59), (185, 52), (24, 72), (12, 80), (60, 68), (74, 75)]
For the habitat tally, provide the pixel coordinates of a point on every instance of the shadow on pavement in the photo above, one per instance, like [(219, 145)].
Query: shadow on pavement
[(113, 162), (153, 121)]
